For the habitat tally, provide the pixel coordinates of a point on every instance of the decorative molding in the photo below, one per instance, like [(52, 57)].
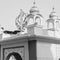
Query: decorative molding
[(7, 51)]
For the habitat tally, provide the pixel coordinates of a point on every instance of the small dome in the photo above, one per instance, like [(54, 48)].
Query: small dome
[(34, 9), (53, 14)]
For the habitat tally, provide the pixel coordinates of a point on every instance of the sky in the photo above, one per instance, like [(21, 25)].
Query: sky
[(10, 9)]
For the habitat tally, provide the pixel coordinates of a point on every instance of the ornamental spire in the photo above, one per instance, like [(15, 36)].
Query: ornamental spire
[(53, 8), (34, 3)]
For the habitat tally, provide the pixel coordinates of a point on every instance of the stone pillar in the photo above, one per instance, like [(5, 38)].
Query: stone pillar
[(32, 50)]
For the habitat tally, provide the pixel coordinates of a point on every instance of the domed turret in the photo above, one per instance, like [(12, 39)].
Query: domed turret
[(34, 16), (53, 21)]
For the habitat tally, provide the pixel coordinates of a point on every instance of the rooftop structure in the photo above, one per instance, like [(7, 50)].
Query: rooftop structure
[(30, 23), (35, 43)]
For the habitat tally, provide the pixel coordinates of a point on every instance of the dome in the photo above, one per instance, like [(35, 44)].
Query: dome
[(34, 9), (53, 14)]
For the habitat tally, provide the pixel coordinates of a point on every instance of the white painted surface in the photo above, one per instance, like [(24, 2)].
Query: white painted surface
[(47, 51)]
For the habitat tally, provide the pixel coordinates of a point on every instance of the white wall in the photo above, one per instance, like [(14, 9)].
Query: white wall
[(46, 51)]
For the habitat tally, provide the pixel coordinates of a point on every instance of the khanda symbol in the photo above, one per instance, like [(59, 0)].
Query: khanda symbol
[(20, 20)]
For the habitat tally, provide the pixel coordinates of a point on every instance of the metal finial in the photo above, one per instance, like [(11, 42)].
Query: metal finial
[(34, 2), (53, 8)]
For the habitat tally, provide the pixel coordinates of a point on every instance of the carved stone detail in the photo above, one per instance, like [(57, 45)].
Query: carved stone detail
[(19, 50)]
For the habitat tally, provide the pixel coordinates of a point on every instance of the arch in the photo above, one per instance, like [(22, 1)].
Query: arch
[(38, 20), (31, 21), (57, 24), (51, 25), (37, 17), (28, 17), (16, 55)]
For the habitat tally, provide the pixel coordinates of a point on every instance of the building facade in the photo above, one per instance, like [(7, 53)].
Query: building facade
[(33, 42)]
